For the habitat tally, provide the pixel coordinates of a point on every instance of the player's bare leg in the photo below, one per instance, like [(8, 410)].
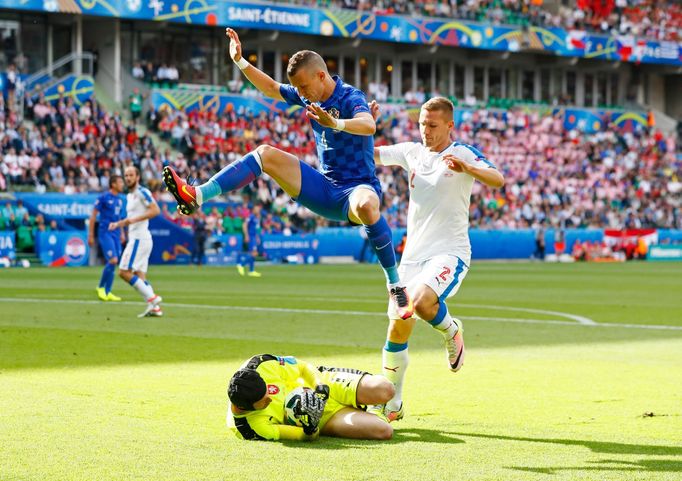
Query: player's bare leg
[(364, 208), (357, 424), (434, 311)]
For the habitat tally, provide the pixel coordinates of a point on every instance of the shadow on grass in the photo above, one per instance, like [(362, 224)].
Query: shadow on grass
[(594, 446), (400, 436), (650, 465)]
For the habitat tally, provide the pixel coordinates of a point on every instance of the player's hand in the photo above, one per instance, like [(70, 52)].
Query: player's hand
[(375, 110), (322, 391), (455, 163), (319, 115), (91, 241), (311, 408), (235, 45)]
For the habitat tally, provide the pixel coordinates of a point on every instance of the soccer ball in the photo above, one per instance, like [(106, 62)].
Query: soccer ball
[(25, 263), (290, 401)]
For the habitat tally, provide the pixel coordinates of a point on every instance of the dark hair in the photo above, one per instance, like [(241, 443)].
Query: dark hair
[(302, 59), (113, 178), (246, 387)]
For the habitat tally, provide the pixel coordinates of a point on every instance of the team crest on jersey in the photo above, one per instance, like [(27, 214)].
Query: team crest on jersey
[(334, 112), (272, 389)]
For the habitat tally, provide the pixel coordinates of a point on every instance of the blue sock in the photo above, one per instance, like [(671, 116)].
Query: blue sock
[(105, 275), (108, 276), (252, 263), (394, 346), (380, 237), (232, 177)]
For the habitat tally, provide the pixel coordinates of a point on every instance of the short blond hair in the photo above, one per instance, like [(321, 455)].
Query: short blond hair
[(439, 104)]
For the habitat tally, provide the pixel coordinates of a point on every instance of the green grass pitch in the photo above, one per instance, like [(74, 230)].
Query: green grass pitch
[(563, 363)]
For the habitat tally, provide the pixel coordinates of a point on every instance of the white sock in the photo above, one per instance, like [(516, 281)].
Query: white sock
[(200, 195), (144, 289), (447, 326), (394, 368)]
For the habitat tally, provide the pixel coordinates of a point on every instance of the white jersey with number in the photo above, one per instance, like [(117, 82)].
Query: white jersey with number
[(137, 203), (438, 215)]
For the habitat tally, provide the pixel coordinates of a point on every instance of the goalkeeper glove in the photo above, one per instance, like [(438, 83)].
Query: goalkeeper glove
[(311, 408)]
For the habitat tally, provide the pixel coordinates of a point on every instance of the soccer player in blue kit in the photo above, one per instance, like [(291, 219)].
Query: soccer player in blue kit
[(346, 187), (251, 229), (109, 206)]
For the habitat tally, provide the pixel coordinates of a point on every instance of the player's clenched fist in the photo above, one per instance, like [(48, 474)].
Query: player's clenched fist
[(235, 44)]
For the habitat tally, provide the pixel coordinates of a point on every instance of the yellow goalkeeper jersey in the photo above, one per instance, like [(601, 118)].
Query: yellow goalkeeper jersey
[(281, 374)]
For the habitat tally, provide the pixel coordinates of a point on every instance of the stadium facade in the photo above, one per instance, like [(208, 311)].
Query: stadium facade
[(456, 58)]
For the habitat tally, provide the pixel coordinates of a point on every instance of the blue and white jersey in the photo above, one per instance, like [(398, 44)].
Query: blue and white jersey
[(137, 202), (344, 158), (438, 215), (110, 207)]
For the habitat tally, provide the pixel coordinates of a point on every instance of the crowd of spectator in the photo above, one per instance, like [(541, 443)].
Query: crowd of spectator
[(654, 19), (162, 73), (71, 148), (554, 177)]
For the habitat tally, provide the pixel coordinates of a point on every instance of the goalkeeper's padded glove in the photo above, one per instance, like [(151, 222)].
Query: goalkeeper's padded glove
[(311, 408)]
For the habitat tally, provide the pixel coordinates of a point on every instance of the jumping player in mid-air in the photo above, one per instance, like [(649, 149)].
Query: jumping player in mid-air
[(108, 208), (345, 189), (140, 207), (437, 252)]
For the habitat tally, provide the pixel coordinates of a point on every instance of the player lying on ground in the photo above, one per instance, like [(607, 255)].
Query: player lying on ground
[(437, 253), (346, 188), (140, 207), (108, 207), (333, 406)]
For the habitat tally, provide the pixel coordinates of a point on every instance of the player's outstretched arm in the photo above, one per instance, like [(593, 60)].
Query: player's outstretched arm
[(262, 81)]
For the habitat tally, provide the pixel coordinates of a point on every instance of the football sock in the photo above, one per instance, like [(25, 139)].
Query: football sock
[(395, 360), (108, 275), (443, 321), (232, 177), (379, 235), (105, 275), (251, 261), (143, 287)]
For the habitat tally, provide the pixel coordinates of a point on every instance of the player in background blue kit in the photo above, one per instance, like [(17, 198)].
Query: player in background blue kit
[(252, 238), (346, 187), (109, 206)]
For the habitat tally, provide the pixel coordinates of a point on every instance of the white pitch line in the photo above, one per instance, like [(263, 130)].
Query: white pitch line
[(361, 313), (580, 319)]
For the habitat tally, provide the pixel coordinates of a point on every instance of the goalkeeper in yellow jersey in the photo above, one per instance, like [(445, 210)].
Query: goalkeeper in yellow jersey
[(334, 406)]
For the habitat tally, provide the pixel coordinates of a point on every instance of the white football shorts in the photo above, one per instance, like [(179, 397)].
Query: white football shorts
[(136, 255), (444, 274)]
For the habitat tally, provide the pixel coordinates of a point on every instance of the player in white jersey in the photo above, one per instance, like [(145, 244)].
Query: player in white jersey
[(140, 207), (437, 252)]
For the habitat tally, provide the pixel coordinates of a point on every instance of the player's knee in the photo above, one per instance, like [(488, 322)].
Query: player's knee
[(385, 390), (265, 151), (384, 432), (368, 209), (113, 261), (425, 307)]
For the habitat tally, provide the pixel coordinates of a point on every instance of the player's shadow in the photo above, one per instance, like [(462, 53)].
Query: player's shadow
[(594, 446), (399, 436), (643, 465)]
